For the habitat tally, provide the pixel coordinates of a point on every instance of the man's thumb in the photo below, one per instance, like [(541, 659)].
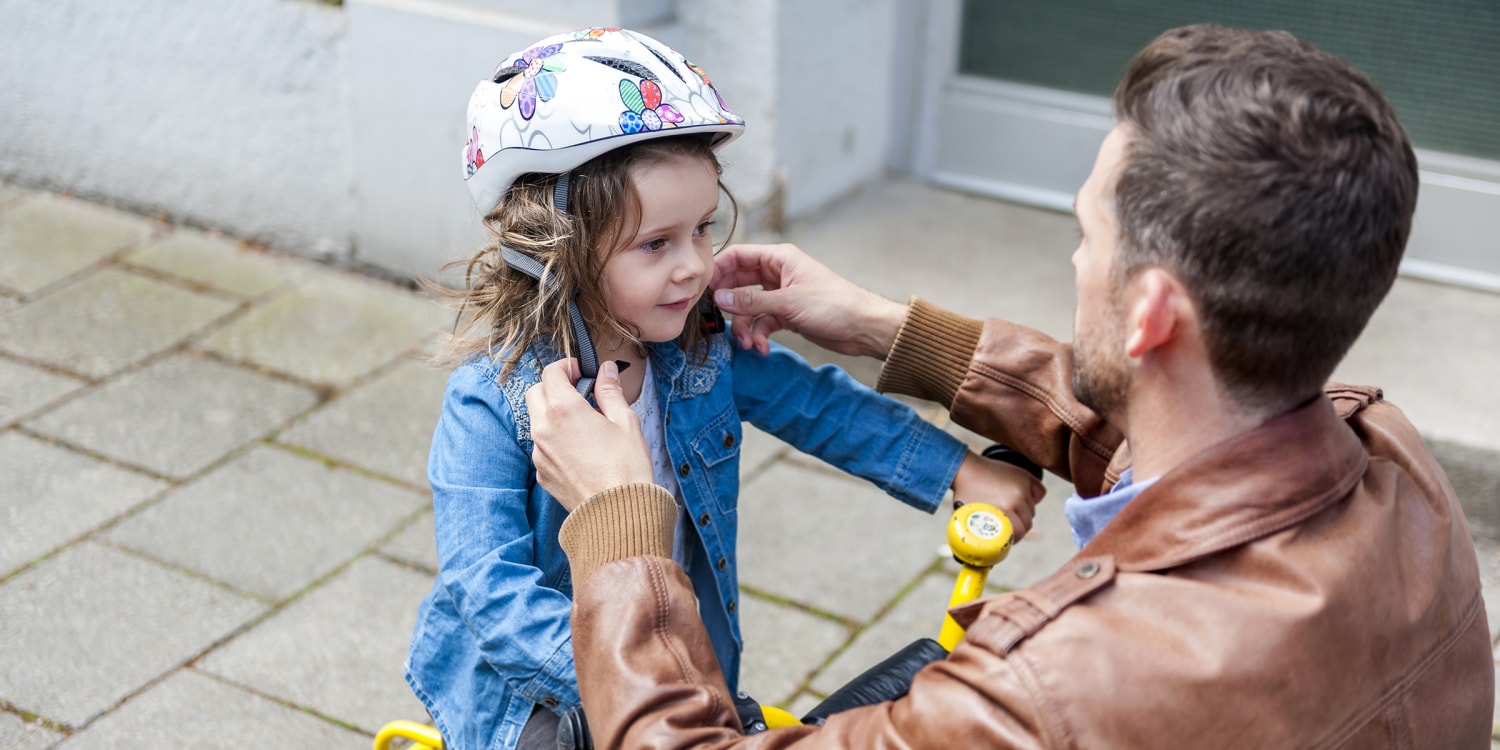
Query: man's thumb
[(745, 301), (608, 392)]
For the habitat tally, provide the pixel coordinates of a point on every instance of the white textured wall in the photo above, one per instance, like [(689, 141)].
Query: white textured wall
[(336, 131), (835, 96), (229, 114)]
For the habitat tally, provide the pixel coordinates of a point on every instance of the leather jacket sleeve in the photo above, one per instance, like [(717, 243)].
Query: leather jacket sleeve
[(647, 672), (649, 679), (1008, 383)]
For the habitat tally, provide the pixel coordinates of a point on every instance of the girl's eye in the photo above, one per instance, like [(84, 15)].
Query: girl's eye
[(702, 229), (655, 246)]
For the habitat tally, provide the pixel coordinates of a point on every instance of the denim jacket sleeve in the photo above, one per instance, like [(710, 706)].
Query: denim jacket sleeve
[(482, 479), (826, 413)]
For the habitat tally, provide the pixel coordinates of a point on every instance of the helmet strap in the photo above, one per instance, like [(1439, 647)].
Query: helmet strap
[(560, 193), (588, 359)]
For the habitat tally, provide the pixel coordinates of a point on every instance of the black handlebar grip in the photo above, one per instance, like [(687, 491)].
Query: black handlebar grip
[(998, 452)]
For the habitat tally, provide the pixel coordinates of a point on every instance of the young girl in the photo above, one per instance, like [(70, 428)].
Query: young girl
[(592, 155)]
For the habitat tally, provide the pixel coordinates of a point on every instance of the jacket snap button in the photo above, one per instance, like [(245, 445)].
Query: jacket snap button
[(703, 520), (549, 702), (1088, 570), (731, 606), (723, 563), (684, 469), (728, 440)]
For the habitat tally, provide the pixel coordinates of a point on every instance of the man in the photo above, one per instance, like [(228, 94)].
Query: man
[(1271, 563)]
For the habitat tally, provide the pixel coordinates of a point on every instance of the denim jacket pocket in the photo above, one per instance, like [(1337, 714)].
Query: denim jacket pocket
[(717, 447)]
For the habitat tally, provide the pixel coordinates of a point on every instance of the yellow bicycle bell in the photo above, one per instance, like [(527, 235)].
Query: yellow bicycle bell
[(980, 537)]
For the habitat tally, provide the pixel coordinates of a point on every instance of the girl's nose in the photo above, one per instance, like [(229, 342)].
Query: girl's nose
[(690, 266)]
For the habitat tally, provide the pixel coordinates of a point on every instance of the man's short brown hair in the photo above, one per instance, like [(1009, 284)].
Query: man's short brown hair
[(1274, 180)]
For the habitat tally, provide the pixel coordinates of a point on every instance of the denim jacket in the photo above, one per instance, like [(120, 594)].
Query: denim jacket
[(493, 639)]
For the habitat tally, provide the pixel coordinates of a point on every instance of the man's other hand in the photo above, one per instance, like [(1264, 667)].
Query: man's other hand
[(801, 295), (581, 452)]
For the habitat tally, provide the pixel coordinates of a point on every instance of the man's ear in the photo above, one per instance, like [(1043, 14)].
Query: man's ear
[(1156, 309)]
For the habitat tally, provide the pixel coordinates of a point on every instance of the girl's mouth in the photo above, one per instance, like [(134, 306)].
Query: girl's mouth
[(679, 305)]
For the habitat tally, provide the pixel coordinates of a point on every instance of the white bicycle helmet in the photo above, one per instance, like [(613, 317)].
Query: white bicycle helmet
[(574, 96)]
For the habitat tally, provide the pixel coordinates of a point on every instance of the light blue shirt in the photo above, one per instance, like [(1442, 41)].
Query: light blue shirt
[(1086, 516)]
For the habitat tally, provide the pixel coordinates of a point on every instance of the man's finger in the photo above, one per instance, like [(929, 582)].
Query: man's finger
[(560, 374), (611, 395), (761, 330)]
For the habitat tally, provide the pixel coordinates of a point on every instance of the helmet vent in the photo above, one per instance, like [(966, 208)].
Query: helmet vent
[(504, 74), (625, 66), (666, 62)]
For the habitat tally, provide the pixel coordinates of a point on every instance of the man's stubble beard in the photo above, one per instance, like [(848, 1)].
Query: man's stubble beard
[(1100, 378)]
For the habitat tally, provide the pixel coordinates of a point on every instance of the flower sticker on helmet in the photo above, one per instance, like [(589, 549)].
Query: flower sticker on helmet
[(593, 33), (535, 81), (474, 152), (644, 107)]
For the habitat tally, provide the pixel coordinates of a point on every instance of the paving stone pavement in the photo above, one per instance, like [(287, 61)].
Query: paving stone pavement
[(215, 526)]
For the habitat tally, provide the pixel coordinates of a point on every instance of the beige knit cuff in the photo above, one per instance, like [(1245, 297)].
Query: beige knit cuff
[(931, 356), (616, 524)]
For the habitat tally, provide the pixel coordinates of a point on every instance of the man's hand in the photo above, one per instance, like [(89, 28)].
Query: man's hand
[(1005, 486), (581, 452), (801, 295)]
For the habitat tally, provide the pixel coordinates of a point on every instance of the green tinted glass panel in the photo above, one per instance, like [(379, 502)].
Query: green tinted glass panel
[(1437, 60)]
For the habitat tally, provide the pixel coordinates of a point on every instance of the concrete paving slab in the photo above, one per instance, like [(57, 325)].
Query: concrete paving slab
[(976, 256), (19, 734), (918, 615), (25, 389), (783, 647), (416, 544), (1488, 552), (901, 238), (93, 625), (268, 522), (384, 425), (53, 495), (216, 261), (45, 238), (803, 703), (1434, 350), (833, 543), (339, 650), (10, 193), (757, 450), (192, 710), (178, 415), (106, 321), (331, 329)]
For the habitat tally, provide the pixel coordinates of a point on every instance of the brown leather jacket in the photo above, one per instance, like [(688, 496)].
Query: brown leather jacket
[(1309, 584)]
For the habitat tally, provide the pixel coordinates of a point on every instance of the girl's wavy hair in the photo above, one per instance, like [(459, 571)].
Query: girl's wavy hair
[(502, 312)]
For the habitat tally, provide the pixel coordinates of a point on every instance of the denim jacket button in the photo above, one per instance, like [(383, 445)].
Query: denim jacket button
[(731, 606), (728, 440), (684, 469), (703, 520), (549, 702), (723, 563)]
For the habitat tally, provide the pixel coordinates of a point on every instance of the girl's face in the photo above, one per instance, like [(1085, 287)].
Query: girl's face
[(655, 280)]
